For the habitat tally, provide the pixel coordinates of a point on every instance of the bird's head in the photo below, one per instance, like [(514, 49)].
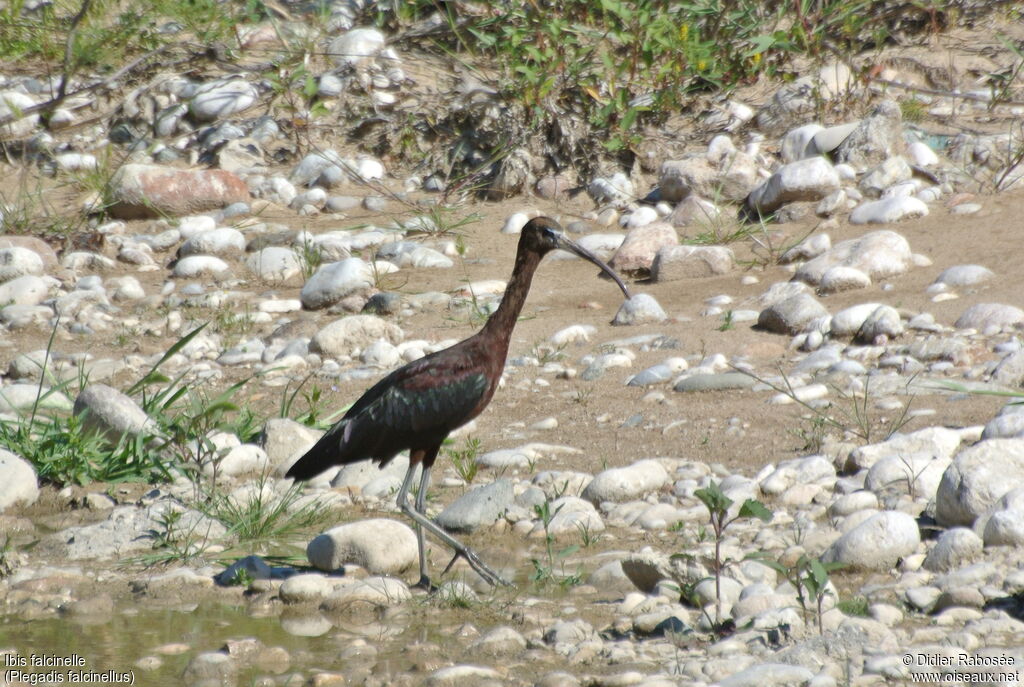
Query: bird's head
[(543, 235)]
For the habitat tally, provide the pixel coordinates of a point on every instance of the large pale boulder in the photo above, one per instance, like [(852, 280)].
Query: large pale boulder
[(382, 546), (350, 334), (622, 484), (18, 485), (978, 477), (878, 543)]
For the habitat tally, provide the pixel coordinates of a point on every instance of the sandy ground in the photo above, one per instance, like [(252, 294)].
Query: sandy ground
[(591, 414)]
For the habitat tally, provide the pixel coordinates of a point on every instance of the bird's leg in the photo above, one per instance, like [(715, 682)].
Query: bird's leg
[(421, 508), (403, 505), (422, 521)]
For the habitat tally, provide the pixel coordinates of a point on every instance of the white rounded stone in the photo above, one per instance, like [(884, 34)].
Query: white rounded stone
[(379, 545), (877, 543), (195, 266)]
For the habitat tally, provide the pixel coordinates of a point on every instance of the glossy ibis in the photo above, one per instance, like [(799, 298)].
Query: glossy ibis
[(418, 405)]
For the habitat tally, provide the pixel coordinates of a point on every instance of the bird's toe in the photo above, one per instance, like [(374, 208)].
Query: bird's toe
[(426, 585)]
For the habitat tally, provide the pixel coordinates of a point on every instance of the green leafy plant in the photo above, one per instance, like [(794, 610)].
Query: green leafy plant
[(587, 536), (183, 419), (310, 258), (855, 606), (464, 459), (296, 93), (174, 541), (814, 581), (719, 519), (240, 578), (810, 577), (614, 61), (544, 569), (618, 66), (727, 322), (71, 37), (188, 416), (191, 427), (262, 517), (8, 561), (64, 450), (232, 326), (912, 110)]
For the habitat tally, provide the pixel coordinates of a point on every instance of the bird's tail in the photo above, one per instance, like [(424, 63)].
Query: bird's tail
[(325, 453)]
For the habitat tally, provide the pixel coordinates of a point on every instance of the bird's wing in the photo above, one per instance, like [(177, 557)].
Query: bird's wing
[(434, 386), (420, 402), (414, 406), (427, 398)]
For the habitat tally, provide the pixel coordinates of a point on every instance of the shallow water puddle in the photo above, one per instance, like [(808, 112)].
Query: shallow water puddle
[(155, 646)]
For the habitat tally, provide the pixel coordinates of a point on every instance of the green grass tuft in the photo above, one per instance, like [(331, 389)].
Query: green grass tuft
[(264, 517)]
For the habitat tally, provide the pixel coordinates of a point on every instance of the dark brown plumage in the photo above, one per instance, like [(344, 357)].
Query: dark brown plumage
[(418, 405)]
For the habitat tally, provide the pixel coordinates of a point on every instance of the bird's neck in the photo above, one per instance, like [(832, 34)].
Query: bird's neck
[(500, 325)]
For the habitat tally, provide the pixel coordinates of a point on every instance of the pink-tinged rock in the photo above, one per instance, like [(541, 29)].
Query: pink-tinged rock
[(695, 211), (554, 187), (262, 36), (151, 191), (34, 244), (641, 245), (686, 262), (679, 178)]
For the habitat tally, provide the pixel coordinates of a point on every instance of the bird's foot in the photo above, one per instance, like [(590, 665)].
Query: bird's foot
[(426, 585), (482, 569)]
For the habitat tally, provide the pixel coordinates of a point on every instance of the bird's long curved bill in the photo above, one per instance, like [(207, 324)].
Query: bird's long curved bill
[(568, 244)]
